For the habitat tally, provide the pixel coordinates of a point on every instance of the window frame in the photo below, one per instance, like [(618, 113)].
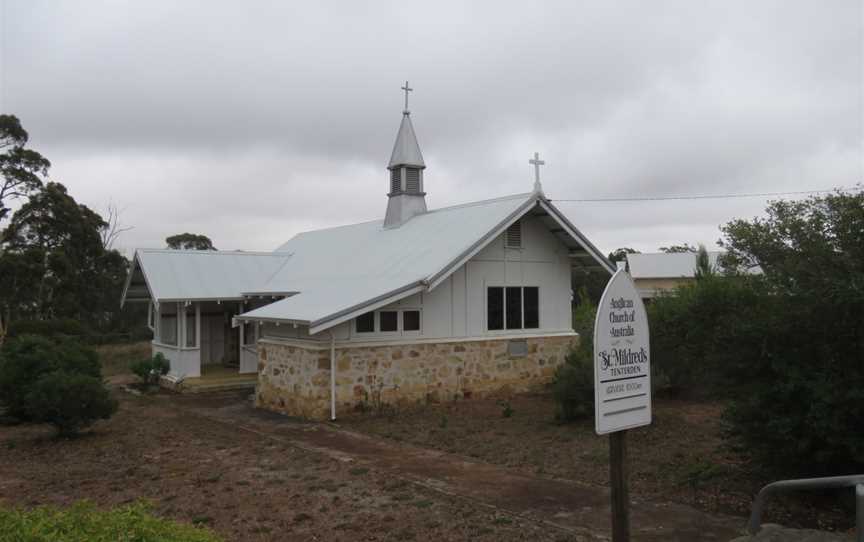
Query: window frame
[(400, 324), (357, 324), (504, 330)]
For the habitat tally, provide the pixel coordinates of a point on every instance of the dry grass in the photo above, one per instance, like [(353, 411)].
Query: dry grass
[(116, 358)]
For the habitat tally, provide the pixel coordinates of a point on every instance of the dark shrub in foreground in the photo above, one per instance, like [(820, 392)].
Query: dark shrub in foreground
[(573, 383), (25, 359), (70, 402), (83, 522)]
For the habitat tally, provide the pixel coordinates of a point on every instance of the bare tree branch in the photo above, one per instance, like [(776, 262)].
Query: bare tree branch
[(114, 227)]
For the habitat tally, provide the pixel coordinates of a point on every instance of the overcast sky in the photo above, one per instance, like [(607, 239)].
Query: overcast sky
[(252, 121)]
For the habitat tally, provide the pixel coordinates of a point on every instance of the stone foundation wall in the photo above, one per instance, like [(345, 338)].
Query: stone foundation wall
[(295, 379)]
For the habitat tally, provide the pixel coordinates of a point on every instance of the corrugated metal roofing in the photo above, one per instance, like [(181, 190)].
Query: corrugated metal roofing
[(206, 274), (340, 268), (334, 271), (664, 265)]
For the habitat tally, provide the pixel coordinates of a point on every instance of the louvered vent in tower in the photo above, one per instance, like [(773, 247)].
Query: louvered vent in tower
[(395, 180), (513, 237), (412, 180)]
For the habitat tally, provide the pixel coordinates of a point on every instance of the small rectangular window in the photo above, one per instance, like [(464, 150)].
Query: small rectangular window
[(366, 323), (168, 329), (513, 301), (411, 321), (531, 299), (389, 321), (513, 236), (495, 308)]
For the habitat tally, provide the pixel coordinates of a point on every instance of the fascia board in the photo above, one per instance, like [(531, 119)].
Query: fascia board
[(337, 318), (576, 234)]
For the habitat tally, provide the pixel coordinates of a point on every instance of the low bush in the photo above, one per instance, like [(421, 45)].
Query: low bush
[(83, 522), (573, 383), (69, 401), (151, 370), (701, 329), (25, 359)]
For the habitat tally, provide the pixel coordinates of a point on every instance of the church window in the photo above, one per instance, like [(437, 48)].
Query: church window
[(366, 323), (531, 300), (512, 307), (410, 320), (389, 321), (513, 236), (513, 304), (495, 308)]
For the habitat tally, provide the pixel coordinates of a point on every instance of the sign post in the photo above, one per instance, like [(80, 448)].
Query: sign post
[(622, 384)]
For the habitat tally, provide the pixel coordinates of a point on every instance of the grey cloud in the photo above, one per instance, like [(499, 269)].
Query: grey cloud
[(252, 121)]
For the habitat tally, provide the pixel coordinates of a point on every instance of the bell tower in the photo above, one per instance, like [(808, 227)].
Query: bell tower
[(406, 198)]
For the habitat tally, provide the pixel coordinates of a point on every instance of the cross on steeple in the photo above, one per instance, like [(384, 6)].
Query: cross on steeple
[(537, 162), (407, 89)]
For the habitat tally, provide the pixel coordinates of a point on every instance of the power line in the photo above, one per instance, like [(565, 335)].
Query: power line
[(705, 196)]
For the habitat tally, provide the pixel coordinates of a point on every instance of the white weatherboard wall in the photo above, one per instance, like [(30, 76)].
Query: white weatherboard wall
[(457, 307)]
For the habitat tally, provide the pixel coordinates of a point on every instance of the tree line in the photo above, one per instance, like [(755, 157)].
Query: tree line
[(59, 270)]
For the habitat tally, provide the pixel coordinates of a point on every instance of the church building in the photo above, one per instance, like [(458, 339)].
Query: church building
[(422, 304)]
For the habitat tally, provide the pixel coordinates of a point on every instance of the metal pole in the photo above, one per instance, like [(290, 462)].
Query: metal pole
[(618, 484)]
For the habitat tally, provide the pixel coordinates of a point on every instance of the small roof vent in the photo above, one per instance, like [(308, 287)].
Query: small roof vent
[(513, 236)]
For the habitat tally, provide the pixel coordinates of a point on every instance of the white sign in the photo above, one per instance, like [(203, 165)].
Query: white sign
[(622, 359)]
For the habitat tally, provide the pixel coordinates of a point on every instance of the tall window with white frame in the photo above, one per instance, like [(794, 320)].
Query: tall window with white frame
[(512, 307)]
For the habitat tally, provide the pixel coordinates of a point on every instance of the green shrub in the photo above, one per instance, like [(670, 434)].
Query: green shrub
[(25, 359), (69, 401), (698, 331), (83, 522), (785, 348), (150, 370), (573, 382)]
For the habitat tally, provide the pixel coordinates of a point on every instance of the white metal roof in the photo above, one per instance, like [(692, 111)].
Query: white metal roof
[(175, 275), (337, 269), (658, 265), (406, 151), (333, 274)]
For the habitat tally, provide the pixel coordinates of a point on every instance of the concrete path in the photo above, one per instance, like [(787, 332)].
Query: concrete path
[(579, 509)]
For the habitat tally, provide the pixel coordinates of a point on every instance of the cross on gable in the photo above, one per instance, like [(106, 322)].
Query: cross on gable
[(537, 162), (407, 89)]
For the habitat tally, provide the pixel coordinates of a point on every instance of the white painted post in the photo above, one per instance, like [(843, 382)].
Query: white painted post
[(180, 325), (332, 376), (198, 328)]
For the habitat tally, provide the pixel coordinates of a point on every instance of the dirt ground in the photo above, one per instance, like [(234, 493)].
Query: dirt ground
[(244, 486), (681, 457)]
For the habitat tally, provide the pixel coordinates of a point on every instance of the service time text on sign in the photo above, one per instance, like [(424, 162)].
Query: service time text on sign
[(622, 358)]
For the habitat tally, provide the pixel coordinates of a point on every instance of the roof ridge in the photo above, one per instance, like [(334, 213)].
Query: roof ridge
[(449, 207), (282, 253), (483, 201)]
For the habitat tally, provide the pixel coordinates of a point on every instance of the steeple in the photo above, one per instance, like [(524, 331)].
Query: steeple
[(406, 198)]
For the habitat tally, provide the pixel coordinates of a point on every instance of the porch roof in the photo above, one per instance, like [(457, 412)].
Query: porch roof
[(197, 275)]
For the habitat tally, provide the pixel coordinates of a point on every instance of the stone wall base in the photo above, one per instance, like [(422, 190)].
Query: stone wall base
[(295, 379)]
